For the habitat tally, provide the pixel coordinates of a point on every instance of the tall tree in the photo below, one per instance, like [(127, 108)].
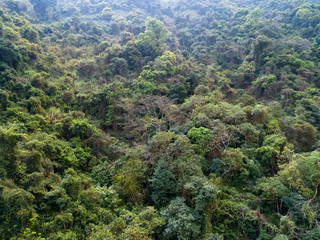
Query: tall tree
[(151, 43)]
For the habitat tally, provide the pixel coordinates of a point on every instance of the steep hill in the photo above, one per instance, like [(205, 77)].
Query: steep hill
[(162, 119)]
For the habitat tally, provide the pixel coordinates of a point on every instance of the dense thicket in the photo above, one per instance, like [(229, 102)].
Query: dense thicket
[(159, 119)]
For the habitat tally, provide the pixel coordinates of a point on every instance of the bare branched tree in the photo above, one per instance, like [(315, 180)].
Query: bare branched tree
[(130, 117), (156, 107), (221, 139), (155, 111)]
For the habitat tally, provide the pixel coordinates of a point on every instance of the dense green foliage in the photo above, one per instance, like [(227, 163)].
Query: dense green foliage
[(159, 119)]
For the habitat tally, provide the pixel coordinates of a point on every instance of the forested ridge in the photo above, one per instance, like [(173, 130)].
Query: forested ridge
[(159, 119)]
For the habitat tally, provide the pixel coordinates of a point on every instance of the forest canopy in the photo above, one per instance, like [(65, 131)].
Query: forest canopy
[(159, 119)]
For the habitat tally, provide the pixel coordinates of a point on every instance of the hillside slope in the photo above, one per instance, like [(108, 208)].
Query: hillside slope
[(158, 119)]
